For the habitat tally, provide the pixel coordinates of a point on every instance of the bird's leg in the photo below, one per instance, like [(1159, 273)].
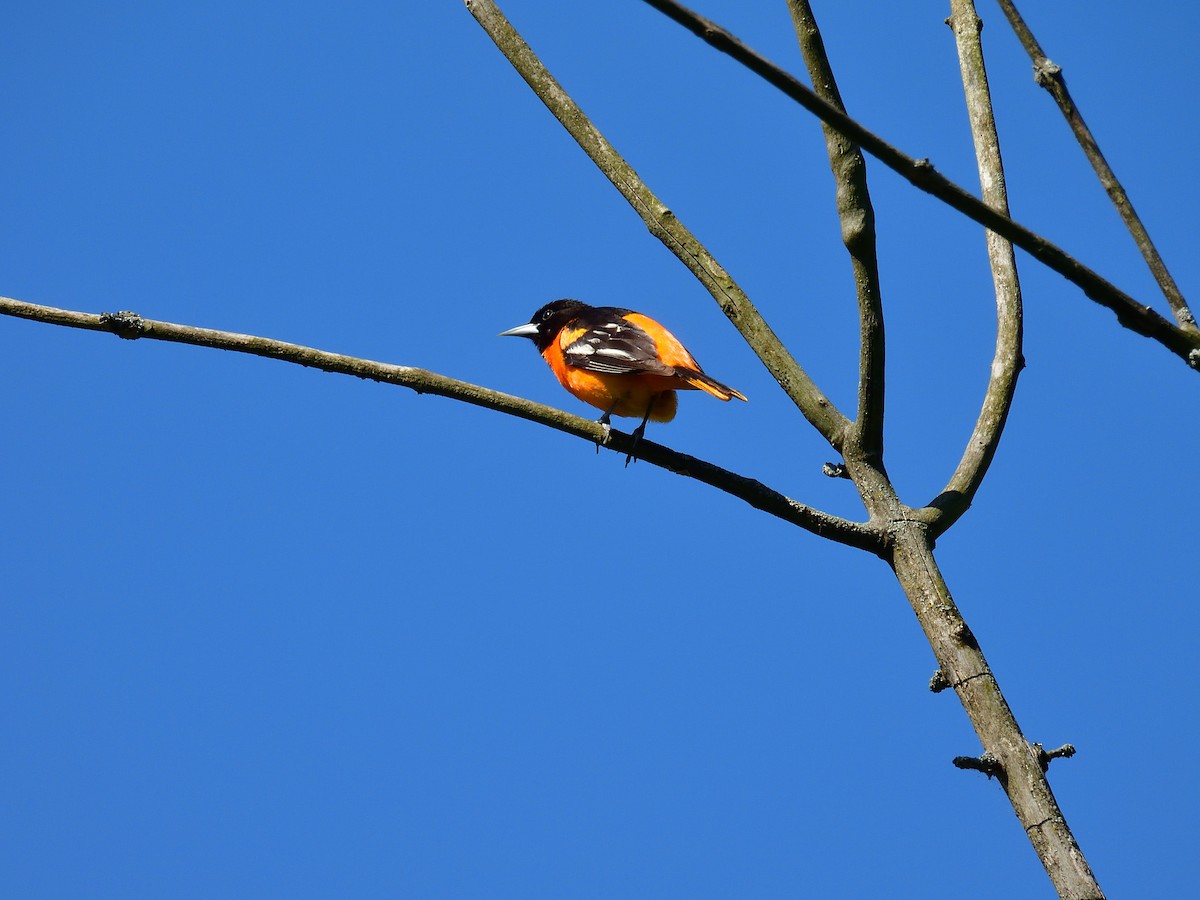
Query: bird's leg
[(639, 431), (604, 420)]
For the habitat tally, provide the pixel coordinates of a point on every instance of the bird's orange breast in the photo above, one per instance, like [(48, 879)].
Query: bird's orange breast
[(623, 395)]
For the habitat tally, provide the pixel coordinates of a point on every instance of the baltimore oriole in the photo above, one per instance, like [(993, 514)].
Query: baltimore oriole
[(619, 361)]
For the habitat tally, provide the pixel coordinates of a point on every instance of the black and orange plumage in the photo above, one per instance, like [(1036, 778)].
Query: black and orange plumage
[(622, 362)]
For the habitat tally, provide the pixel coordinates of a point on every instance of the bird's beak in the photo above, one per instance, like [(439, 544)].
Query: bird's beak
[(528, 330)]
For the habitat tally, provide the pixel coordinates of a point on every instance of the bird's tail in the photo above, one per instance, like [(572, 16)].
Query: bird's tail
[(708, 384)]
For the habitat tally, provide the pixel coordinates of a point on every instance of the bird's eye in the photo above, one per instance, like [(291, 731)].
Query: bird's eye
[(546, 314)]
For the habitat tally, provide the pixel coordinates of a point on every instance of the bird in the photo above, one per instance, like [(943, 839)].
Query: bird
[(622, 362)]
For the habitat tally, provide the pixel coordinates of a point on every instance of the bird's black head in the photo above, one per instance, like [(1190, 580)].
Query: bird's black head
[(547, 322)]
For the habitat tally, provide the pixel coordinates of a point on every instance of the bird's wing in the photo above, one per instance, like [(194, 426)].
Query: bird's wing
[(603, 340)]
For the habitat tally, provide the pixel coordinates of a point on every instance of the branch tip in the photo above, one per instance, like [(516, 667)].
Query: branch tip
[(987, 764), (1044, 756)]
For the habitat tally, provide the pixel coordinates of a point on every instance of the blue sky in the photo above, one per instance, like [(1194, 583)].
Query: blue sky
[(271, 632)]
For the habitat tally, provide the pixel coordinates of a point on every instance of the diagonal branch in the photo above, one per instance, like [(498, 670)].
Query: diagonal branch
[(858, 234), (815, 406), (1135, 316), (1007, 362), (1050, 76), (132, 326)]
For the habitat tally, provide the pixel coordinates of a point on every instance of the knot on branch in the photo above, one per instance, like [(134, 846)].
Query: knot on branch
[(962, 633), (1044, 756), (923, 171), (939, 682), (1193, 359), (987, 764), (972, 22), (125, 324), (1046, 71), (835, 470)]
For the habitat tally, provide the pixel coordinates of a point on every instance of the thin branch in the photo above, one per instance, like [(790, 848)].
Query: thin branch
[(1007, 362), (1050, 77), (131, 326), (1030, 795), (1135, 316), (815, 406), (858, 234)]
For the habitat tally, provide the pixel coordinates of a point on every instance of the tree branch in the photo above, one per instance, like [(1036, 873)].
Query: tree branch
[(1135, 316), (816, 407), (1007, 754), (1020, 768), (1050, 77), (858, 234), (131, 326), (1007, 361)]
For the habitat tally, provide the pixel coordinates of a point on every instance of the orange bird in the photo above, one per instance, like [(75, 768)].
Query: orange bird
[(619, 361)]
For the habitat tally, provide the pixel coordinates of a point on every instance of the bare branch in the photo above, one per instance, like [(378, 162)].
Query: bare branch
[(1007, 361), (1007, 755), (858, 234), (816, 407), (131, 326), (1135, 316), (1050, 77)]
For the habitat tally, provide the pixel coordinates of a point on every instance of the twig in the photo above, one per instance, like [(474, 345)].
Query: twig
[(958, 494), (131, 326), (987, 764), (1045, 757), (1050, 76), (858, 233), (816, 407), (1135, 316)]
